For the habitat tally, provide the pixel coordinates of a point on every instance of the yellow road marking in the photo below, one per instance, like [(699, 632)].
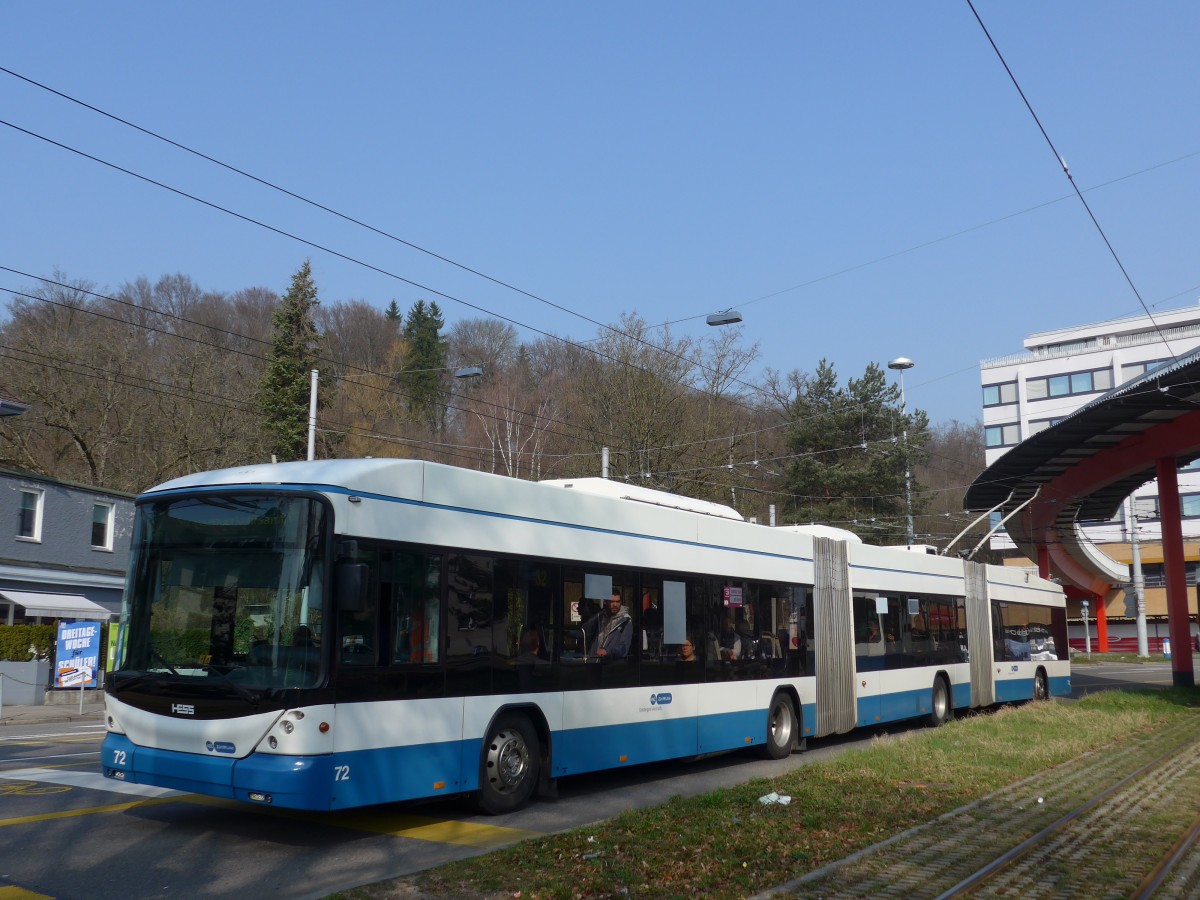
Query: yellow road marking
[(12, 892), (87, 811), (420, 828)]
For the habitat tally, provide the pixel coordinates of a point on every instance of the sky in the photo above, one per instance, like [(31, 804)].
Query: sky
[(861, 180)]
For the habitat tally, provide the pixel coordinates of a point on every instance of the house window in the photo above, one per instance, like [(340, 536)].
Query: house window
[(1002, 435), (1000, 394), (29, 519), (102, 521)]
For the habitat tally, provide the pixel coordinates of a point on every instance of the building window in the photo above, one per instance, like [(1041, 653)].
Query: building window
[(1136, 370), (102, 522), (1002, 435), (1145, 509), (1189, 506), (29, 520), (1037, 425), (1069, 384), (1000, 394)]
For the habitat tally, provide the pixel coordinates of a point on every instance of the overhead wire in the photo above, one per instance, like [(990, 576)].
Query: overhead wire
[(333, 212), (1066, 171)]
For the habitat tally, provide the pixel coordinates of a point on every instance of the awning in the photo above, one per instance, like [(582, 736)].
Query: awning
[(58, 606)]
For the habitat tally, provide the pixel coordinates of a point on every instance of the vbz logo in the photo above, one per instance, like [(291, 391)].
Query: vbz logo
[(660, 699), (183, 709)]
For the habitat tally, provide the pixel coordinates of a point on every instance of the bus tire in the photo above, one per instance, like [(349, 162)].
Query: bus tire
[(508, 765), (781, 728), (939, 705), (1041, 690)]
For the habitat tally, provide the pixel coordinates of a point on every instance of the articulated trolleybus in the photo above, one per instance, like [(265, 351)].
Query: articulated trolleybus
[(331, 634)]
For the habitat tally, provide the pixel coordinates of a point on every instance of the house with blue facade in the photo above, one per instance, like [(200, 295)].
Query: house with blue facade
[(63, 549)]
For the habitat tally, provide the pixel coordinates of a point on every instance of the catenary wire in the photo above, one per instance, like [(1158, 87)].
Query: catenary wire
[(1070, 178)]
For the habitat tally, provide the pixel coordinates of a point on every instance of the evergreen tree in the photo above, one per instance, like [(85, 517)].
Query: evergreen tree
[(850, 454), (285, 390), (425, 370), (393, 312)]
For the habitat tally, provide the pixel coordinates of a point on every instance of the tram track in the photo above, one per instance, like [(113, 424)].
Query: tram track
[(1117, 823), (1083, 842)]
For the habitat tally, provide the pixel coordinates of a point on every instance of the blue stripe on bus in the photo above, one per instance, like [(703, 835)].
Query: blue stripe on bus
[(390, 774), (294, 782)]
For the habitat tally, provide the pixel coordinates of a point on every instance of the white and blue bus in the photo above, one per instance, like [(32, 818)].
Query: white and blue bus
[(332, 634)]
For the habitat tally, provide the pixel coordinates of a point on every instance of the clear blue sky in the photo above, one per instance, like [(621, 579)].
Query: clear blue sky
[(671, 159)]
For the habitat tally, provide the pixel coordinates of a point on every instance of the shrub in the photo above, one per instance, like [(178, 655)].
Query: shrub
[(21, 643)]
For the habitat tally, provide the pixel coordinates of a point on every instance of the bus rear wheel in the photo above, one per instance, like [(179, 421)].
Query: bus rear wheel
[(1041, 690), (781, 728), (939, 707), (508, 765)]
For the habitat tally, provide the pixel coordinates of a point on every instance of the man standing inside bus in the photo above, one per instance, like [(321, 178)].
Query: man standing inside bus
[(614, 630)]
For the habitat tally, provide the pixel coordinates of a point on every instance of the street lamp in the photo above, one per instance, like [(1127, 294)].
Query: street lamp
[(724, 317), (900, 363)]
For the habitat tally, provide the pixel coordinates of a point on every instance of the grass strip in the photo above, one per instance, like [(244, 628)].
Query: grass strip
[(727, 844)]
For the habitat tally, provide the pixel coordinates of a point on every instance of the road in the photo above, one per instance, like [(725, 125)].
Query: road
[(66, 832)]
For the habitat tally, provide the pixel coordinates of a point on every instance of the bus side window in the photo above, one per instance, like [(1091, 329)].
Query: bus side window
[(359, 631), (416, 607)]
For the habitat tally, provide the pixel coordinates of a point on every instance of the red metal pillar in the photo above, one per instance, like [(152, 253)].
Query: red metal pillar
[(1178, 627), (1101, 624)]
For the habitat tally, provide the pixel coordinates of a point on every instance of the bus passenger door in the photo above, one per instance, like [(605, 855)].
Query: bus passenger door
[(869, 657)]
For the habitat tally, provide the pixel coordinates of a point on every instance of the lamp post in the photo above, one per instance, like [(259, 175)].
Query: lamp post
[(900, 363)]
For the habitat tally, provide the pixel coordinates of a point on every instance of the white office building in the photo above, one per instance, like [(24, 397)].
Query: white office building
[(1061, 371)]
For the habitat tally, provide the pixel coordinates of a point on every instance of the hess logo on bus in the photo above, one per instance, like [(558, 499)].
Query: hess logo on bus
[(183, 709)]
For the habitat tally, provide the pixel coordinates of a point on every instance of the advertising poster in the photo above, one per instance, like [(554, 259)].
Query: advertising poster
[(78, 655)]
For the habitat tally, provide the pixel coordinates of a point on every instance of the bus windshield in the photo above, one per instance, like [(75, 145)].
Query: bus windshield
[(228, 588)]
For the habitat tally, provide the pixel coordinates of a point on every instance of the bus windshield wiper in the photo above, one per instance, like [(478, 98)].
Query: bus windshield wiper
[(246, 695)]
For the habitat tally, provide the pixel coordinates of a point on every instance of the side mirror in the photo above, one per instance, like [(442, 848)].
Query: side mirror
[(350, 582)]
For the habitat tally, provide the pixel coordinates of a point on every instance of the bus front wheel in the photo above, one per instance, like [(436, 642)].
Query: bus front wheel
[(781, 728), (508, 765)]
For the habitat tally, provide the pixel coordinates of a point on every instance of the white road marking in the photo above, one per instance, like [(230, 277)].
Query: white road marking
[(90, 780), (41, 758)]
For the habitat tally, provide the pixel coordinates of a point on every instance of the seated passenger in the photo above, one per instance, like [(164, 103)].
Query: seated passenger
[(687, 651), (531, 646)]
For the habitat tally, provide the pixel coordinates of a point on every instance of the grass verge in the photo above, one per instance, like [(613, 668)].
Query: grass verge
[(727, 844)]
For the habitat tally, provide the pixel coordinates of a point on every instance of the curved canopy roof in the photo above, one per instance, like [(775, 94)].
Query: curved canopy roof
[(1085, 466)]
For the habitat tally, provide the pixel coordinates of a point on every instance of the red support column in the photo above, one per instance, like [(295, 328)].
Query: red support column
[(1178, 627), (1101, 624), (1043, 560)]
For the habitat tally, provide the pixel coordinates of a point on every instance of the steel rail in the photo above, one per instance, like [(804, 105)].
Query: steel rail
[(1170, 860), (1002, 862)]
